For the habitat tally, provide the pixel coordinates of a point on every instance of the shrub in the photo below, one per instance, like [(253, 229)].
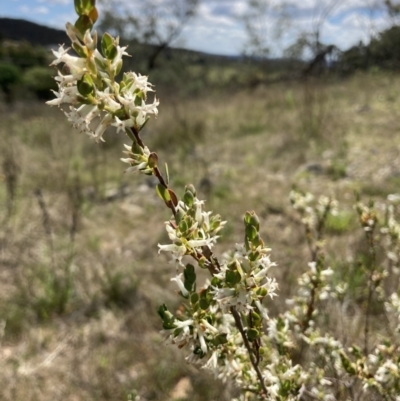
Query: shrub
[(10, 75), (39, 80)]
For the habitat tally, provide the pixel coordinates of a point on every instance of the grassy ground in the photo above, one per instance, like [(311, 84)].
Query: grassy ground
[(80, 279)]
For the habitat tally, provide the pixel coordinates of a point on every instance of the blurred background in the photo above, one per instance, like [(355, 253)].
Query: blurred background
[(256, 96)]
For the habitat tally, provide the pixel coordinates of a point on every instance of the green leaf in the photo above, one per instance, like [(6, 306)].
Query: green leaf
[(100, 64), (179, 218), (251, 219), (83, 23), (88, 4), (163, 193), (204, 304), (251, 232), (221, 339), (118, 70), (256, 318), (166, 169), (85, 85), (161, 310), (254, 221), (189, 273), (232, 277), (167, 317), (216, 282), (190, 277), (92, 66), (194, 298), (252, 334), (183, 226), (253, 256), (112, 52), (80, 50), (79, 8), (188, 198), (106, 42)]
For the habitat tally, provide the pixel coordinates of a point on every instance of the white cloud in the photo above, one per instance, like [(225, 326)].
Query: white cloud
[(217, 28), (41, 10), (52, 2)]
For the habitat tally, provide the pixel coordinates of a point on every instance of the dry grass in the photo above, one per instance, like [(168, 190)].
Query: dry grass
[(80, 279)]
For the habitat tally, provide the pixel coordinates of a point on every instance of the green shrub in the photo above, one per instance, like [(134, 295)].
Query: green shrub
[(40, 81), (10, 75)]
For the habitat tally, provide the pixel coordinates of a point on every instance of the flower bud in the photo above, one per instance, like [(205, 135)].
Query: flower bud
[(84, 6), (153, 159), (251, 219), (191, 189), (188, 198)]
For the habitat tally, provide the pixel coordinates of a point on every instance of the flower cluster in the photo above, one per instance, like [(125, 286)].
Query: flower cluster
[(312, 211), (87, 86), (239, 284), (191, 229)]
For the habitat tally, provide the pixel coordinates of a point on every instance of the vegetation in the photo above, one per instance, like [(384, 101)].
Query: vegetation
[(80, 282), (77, 273)]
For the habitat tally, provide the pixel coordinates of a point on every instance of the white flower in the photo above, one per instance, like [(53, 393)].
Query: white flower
[(76, 64), (178, 251), (107, 99), (122, 124), (65, 95), (64, 80), (228, 297), (181, 285), (212, 363), (203, 344), (105, 122)]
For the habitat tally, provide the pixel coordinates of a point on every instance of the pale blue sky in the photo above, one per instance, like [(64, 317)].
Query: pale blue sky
[(217, 28)]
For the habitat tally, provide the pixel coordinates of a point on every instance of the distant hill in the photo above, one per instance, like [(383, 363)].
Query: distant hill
[(19, 29)]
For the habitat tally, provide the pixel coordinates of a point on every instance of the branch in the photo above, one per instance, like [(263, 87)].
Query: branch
[(239, 325)]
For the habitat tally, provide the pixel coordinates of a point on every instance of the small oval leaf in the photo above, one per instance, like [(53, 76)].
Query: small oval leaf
[(174, 198)]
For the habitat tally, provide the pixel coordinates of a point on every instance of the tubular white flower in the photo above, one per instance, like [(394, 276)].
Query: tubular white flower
[(178, 251), (76, 64), (65, 95), (203, 344), (181, 285), (64, 80), (105, 122), (123, 124)]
